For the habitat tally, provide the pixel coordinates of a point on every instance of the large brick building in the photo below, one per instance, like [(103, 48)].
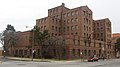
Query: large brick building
[(79, 31)]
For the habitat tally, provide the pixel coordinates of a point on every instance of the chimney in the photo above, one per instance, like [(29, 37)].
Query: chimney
[(63, 4)]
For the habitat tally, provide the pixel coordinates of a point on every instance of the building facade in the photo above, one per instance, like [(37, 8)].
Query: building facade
[(102, 32), (77, 25), (74, 29), (115, 36)]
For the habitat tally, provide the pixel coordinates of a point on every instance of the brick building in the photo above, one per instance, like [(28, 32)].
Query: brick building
[(115, 36), (102, 32), (23, 45), (75, 28)]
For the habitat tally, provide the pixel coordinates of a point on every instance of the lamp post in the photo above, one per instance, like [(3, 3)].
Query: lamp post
[(32, 51), (103, 52), (81, 56)]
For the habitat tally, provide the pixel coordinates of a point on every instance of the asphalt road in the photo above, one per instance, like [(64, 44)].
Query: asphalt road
[(13, 63)]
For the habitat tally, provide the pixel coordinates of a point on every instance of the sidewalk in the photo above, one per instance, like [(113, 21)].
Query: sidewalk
[(50, 60), (43, 60), (28, 59)]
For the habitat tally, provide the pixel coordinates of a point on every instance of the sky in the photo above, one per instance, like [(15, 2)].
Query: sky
[(21, 13)]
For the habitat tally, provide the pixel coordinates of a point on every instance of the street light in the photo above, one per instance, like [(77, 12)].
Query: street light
[(81, 55), (33, 51), (103, 52)]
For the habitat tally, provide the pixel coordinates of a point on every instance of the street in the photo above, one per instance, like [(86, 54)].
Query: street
[(100, 63)]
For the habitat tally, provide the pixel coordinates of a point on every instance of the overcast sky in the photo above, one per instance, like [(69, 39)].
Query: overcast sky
[(21, 13)]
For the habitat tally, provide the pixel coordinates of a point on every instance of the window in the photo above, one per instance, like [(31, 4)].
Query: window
[(101, 34), (41, 28), (76, 12), (78, 52), (76, 27), (84, 20), (94, 52), (76, 19), (64, 52), (88, 52), (73, 52), (100, 45), (67, 28), (98, 35), (84, 34), (85, 43), (52, 34), (87, 21), (89, 14), (25, 52), (53, 20), (89, 29), (85, 52), (72, 27), (78, 42), (56, 21), (56, 29), (68, 21), (64, 29), (101, 39), (41, 20), (44, 27), (84, 28), (68, 14), (64, 21), (72, 13), (76, 33), (84, 13), (59, 29), (45, 20), (64, 15), (97, 24), (72, 20), (56, 9), (52, 27), (57, 16)]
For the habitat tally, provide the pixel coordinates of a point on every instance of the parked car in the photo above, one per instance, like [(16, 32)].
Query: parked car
[(91, 59)]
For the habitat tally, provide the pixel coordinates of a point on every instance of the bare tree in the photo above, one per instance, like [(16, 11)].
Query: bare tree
[(1, 39), (10, 39)]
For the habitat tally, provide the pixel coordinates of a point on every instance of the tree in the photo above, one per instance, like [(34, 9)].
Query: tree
[(56, 45), (10, 38), (40, 37), (46, 42), (1, 38)]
